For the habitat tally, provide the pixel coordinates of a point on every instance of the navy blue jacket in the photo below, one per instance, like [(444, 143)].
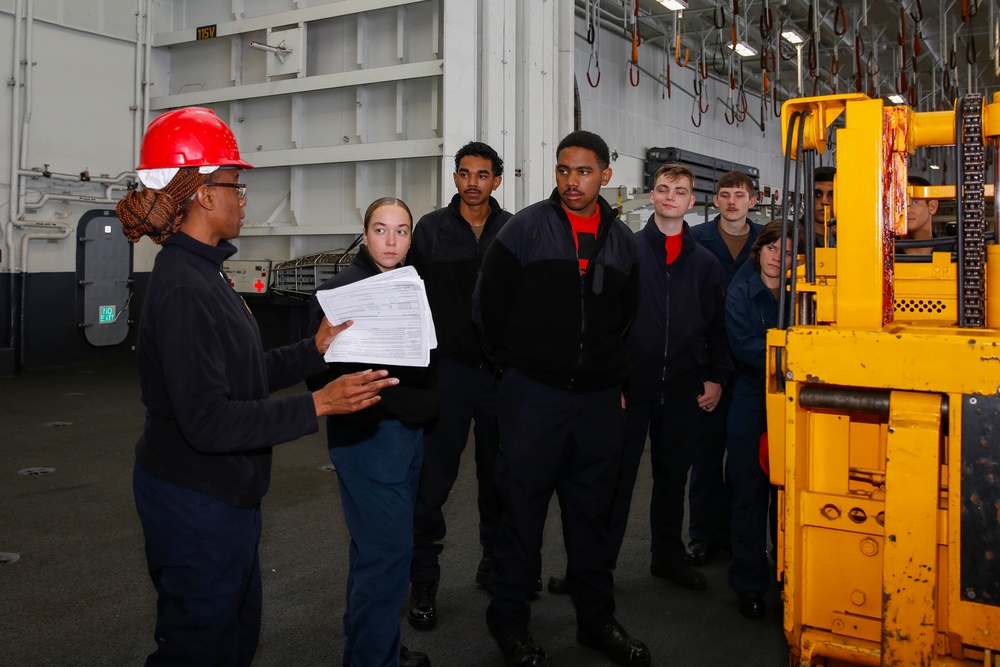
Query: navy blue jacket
[(751, 309), (412, 402), (206, 380), (707, 234), (679, 329), (538, 314), (447, 255)]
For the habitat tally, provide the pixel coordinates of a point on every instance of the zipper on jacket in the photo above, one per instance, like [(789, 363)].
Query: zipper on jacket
[(583, 327), (666, 343), (583, 290)]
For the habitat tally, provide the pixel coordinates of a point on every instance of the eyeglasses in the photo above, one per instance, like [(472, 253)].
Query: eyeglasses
[(241, 189)]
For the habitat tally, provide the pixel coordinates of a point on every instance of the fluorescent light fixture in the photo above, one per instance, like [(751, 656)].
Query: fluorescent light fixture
[(897, 99), (744, 49), (792, 36), (675, 5), (934, 166)]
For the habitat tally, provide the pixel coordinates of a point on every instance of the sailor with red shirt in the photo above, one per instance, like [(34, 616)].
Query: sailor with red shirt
[(557, 291), (680, 362)]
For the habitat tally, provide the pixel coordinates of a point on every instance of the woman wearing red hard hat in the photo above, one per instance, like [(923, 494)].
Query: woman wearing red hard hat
[(203, 461)]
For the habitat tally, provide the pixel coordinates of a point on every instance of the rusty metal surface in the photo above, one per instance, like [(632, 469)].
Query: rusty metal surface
[(980, 576)]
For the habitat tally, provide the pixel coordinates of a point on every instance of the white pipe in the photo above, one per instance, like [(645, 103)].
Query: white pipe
[(954, 41), (29, 53), (28, 101), (798, 66), (47, 197), (148, 65), (563, 65), (279, 51), (137, 84), (121, 178), (943, 31), (995, 40), (15, 126), (63, 232)]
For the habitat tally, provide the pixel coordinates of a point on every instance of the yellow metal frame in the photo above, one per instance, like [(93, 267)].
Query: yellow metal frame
[(870, 503)]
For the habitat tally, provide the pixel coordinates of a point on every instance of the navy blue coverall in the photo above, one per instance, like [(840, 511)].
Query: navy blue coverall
[(709, 494), (751, 309)]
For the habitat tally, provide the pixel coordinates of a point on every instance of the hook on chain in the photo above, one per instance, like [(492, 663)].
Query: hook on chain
[(781, 54), (719, 16), (871, 65), (766, 23), (677, 52), (593, 39), (743, 107), (839, 20), (592, 82), (697, 102), (970, 48), (633, 63), (719, 55)]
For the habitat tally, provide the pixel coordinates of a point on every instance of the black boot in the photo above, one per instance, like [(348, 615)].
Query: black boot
[(558, 585), (483, 571), (423, 607), (520, 650), (408, 658)]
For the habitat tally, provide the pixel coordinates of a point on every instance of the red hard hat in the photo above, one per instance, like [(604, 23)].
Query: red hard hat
[(189, 137)]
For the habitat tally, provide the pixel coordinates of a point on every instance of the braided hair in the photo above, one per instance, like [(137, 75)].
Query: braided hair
[(159, 213)]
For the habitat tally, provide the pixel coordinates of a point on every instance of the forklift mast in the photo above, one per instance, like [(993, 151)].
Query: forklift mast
[(883, 397)]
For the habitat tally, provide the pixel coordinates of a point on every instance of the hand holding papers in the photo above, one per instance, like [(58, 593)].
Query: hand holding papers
[(392, 320)]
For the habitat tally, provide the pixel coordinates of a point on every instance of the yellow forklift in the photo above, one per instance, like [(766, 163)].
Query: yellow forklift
[(883, 398)]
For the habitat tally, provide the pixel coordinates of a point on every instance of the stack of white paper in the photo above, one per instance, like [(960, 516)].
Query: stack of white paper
[(392, 320)]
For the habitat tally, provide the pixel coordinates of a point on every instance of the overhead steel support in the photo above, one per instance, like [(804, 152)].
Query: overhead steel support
[(317, 13), (404, 72)]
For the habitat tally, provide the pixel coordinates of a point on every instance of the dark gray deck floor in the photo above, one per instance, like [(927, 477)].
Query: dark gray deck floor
[(80, 595)]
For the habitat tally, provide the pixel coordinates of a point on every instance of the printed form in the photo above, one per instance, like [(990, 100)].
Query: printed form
[(392, 320)]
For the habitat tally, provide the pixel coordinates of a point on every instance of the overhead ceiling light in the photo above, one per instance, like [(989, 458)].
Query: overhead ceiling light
[(792, 37), (744, 49), (934, 166), (897, 99), (675, 5)]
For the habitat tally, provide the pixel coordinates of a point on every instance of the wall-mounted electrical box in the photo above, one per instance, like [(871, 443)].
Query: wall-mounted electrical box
[(248, 276)]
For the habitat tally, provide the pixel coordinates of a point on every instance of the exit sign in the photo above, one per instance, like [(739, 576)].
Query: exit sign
[(107, 315)]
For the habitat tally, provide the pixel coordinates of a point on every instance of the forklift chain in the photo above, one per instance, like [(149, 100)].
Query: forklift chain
[(973, 210)]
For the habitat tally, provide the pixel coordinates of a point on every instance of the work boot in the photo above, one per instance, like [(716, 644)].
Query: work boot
[(422, 612)]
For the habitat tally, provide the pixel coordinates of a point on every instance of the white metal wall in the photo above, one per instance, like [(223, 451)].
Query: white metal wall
[(374, 99), (376, 102), (351, 114), (71, 113)]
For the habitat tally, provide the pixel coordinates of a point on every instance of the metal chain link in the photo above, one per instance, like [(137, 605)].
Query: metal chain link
[(973, 256)]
